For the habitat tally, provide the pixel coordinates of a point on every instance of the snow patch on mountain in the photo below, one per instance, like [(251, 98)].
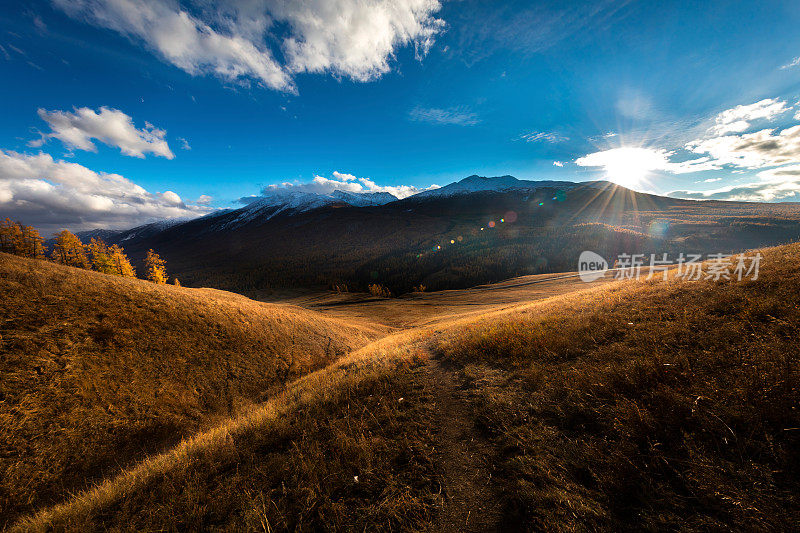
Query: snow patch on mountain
[(120, 236), (268, 206), (363, 199)]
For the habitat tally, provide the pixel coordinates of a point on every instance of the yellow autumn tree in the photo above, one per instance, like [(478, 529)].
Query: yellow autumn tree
[(156, 268), (33, 243), (101, 256), (10, 236), (176, 282), (20, 240), (69, 250), (121, 264)]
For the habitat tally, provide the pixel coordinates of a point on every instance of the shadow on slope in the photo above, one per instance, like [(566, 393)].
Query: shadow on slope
[(646, 405), (97, 370)]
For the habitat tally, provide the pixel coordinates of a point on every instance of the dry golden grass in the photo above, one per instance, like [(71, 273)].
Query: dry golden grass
[(635, 405), (289, 464), (440, 307), (99, 371), (646, 405)]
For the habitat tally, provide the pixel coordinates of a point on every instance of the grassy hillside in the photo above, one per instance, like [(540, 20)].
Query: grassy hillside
[(347, 447), (635, 405), (98, 371), (646, 405)]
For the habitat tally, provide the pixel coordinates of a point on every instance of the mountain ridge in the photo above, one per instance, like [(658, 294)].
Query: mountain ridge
[(475, 183), (287, 202)]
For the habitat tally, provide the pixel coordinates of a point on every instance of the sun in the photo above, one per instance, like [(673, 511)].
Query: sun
[(628, 166)]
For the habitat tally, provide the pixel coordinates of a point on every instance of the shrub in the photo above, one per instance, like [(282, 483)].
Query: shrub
[(380, 291)]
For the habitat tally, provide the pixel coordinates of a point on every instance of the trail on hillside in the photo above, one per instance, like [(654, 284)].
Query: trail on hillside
[(467, 458)]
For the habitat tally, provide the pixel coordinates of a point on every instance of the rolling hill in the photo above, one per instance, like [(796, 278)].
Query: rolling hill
[(99, 371), (633, 404)]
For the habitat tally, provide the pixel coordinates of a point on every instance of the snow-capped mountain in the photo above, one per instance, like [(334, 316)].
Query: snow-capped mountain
[(259, 210), (288, 202), (139, 232), (151, 229), (363, 199), (476, 183)]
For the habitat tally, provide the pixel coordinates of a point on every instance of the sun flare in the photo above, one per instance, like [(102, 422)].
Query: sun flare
[(628, 166)]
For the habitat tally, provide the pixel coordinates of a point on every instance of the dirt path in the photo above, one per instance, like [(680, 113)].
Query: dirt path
[(472, 500)]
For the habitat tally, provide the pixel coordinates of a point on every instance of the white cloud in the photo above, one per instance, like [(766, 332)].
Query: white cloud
[(354, 38), (739, 118), (204, 199), (793, 63), (110, 126), (777, 184), (184, 144), (400, 191), (457, 116), (343, 177), (183, 40), (558, 163), (773, 175), (726, 147), (171, 198), (545, 136), (50, 194), (347, 183), (712, 180), (604, 137), (232, 41), (752, 150)]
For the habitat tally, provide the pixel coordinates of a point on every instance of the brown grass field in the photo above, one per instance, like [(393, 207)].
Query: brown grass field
[(99, 371), (523, 406)]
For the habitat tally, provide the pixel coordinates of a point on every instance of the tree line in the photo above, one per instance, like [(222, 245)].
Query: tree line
[(68, 249)]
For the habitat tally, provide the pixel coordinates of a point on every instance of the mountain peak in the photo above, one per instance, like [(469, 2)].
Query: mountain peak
[(494, 181), (475, 183), (476, 177)]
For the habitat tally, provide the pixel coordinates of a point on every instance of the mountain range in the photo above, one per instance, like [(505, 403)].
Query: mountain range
[(477, 230), (288, 202)]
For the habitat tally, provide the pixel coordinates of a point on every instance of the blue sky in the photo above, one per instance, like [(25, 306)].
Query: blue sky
[(117, 112)]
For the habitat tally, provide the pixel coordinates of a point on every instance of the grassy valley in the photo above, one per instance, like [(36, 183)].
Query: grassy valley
[(637, 404)]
